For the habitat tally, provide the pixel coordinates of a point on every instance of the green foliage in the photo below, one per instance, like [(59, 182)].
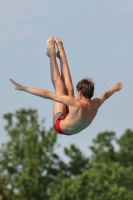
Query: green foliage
[(4, 193), (109, 173), (125, 154), (31, 170), (103, 148), (78, 162), (28, 161), (110, 182)]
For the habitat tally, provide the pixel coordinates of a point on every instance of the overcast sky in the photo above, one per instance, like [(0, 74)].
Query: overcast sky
[(98, 39)]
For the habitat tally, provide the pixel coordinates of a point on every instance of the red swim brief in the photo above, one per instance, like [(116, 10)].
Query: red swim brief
[(57, 125)]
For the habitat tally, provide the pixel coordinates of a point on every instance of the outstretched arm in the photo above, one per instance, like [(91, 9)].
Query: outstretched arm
[(105, 95), (65, 99), (37, 92)]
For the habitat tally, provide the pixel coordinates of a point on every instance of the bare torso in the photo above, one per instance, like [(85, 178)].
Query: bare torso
[(80, 116), (82, 111)]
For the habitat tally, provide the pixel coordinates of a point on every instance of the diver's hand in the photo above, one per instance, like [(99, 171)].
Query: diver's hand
[(116, 87), (17, 86)]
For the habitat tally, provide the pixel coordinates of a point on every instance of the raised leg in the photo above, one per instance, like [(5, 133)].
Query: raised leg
[(59, 108), (65, 71)]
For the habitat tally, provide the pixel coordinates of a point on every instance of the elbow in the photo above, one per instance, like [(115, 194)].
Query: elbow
[(106, 97), (45, 94)]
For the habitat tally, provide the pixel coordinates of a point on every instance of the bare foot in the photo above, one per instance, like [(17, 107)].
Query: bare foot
[(50, 46), (60, 47)]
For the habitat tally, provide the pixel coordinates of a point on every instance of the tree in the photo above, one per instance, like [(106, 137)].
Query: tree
[(103, 181), (31, 170), (108, 175), (28, 163), (4, 193), (103, 148), (78, 162), (125, 153)]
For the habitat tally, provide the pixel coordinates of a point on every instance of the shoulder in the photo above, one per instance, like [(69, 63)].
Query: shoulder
[(98, 101), (73, 100)]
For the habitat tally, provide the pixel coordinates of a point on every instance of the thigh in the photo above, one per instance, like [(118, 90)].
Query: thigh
[(58, 110)]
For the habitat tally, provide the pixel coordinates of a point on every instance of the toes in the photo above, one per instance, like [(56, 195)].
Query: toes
[(56, 39), (50, 38)]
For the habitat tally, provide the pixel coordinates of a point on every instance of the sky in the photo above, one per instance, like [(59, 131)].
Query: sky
[(98, 40)]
